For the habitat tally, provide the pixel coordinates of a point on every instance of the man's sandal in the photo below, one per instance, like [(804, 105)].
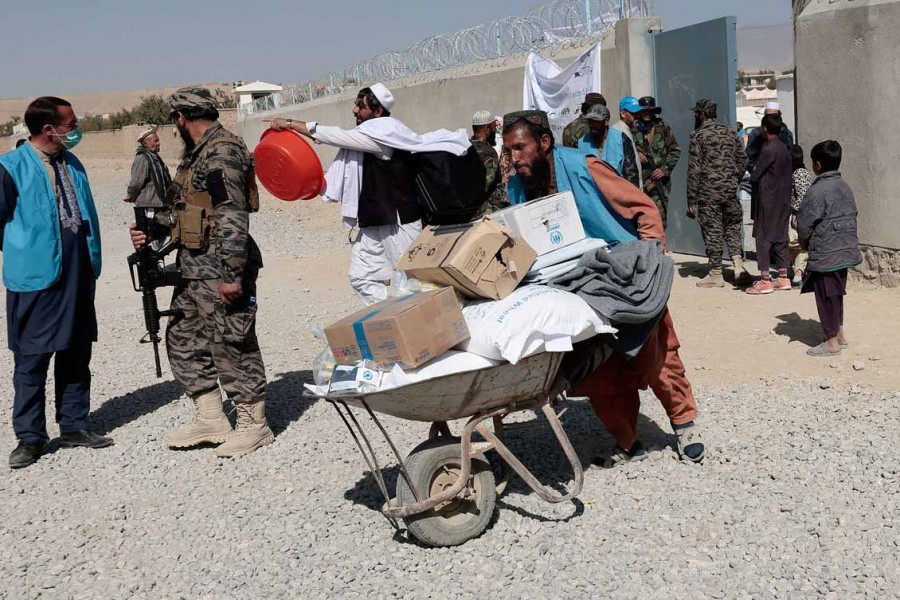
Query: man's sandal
[(821, 350)]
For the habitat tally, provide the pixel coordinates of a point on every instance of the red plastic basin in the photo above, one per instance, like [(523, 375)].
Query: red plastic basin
[(287, 166)]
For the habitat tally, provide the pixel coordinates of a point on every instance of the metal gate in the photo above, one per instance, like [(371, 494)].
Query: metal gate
[(694, 62)]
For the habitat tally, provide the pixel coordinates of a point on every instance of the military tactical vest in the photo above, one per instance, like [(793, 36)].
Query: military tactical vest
[(193, 224)]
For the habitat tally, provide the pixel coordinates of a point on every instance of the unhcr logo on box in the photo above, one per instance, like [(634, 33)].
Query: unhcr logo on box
[(556, 236)]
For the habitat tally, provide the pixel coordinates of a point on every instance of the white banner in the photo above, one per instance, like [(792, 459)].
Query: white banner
[(560, 92)]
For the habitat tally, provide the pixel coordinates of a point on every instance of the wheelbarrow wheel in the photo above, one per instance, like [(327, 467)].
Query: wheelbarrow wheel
[(434, 466)]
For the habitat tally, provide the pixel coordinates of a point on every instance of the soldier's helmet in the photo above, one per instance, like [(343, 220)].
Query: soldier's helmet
[(706, 107), (649, 103), (191, 97)]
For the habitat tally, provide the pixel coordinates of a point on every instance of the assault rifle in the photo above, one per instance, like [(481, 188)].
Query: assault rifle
[(148, 273)]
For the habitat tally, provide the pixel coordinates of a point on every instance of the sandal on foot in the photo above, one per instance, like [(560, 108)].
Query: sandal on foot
[(821, 350), (688, 442)]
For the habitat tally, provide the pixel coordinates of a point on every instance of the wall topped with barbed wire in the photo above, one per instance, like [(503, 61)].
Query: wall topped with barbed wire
[(551, 24)]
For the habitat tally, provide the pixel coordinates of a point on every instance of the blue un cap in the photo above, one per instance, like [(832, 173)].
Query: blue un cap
[(631, 104)]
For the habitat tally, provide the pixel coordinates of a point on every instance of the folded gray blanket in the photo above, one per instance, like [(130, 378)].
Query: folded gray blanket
[(627, 283)]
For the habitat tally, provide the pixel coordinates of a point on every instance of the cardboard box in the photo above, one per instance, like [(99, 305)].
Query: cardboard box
[(481, 259), (408, 331), (547, 224)]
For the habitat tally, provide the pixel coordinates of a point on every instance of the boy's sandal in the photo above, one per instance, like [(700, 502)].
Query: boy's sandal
[(821, 350)]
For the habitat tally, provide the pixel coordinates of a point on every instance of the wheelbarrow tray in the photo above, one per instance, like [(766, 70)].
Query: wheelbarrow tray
[(462, 395)]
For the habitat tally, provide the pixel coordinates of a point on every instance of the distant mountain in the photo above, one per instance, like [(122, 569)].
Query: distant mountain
[(98, 103), (771, 47)]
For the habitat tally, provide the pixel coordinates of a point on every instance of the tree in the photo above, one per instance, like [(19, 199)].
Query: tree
[(224, 100), (152, 110)]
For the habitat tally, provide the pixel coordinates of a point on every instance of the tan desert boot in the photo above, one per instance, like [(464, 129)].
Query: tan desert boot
[(713, 279), (210, 425), (250, 433), (741, 274)]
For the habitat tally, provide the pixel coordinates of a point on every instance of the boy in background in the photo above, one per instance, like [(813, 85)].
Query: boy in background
[(826, 226)]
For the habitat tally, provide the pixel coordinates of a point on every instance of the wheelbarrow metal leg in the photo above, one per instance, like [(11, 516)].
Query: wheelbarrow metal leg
[(390, 442), (567, 447), (371, 459), (541, 490)]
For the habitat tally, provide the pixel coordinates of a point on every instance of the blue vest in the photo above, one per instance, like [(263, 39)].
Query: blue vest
[(600, 221), (613, 148), (32, 246)]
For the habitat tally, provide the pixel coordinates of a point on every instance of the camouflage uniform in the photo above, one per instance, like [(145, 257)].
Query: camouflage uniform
[(212, 342), (496, 193), (574, 131), (716, 164), (662, 151)]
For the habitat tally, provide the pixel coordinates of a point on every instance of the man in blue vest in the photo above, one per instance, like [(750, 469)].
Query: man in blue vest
[(51, 260), (610, 144), (614, 210)]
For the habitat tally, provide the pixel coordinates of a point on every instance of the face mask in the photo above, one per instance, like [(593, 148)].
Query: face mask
[(71, 139)]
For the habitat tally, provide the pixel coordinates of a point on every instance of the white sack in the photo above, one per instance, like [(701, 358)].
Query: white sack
[(532, 319)]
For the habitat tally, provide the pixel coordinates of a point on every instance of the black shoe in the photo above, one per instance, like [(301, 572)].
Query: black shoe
[(25, 455), (83, 439), (620, 455)]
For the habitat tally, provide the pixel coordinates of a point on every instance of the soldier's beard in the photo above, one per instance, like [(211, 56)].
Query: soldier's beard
[(189, 144), (697, 122)]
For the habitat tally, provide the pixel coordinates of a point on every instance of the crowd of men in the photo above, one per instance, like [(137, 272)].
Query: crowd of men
[(52, 252)]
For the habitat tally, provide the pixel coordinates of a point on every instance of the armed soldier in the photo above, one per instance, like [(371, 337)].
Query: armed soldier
[(484, 137), (658, 151), (213, 338), (580, 127), (715, 168)]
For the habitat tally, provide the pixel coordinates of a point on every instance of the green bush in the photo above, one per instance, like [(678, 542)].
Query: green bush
[(152, 110)]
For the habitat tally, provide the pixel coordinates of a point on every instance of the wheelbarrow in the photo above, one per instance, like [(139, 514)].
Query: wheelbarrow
[(446, 493)]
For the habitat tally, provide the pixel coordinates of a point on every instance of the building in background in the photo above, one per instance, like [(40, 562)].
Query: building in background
[(756, 98), (248, 93)]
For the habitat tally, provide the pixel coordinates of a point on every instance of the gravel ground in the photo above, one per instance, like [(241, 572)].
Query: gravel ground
[(797, 498)]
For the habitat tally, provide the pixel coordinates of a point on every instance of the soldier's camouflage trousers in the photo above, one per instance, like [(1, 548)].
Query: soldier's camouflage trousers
[(660, 197), (721, 224), (211, 342)]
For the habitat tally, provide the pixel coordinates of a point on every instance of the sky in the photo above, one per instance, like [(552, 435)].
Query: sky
[(73, 46)]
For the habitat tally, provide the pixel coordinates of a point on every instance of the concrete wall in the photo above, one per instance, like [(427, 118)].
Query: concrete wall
[(628, 61), (449, 98), (848, 75)]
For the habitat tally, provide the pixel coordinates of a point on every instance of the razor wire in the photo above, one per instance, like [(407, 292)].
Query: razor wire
[(554, 23)]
